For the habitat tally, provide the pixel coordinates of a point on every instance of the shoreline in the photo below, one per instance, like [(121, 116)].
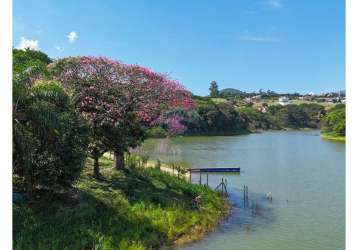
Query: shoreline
[(145, 194), (198, 232), (246, 132), (333, 138)]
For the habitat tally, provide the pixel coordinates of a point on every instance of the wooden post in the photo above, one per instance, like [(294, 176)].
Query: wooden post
[(207, 179), (190, 175), (200, 179), (226, 194), (222, 186), (244, 193)]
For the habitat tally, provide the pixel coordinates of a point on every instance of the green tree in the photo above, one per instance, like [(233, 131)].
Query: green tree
[(335, 121), (214, 89), (29, 65), (49, 138)]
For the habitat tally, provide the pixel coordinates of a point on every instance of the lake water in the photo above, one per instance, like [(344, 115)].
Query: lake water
[(305, 174)]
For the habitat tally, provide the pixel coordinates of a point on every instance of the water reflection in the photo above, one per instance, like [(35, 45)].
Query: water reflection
[(305, 174)]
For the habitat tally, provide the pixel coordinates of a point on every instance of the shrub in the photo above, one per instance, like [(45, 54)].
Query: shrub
[(50, 139), (335, 121), (156, 132)]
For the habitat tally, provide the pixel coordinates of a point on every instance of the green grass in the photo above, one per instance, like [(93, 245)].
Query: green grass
[(219, 100), (332, 137), (134, 209)]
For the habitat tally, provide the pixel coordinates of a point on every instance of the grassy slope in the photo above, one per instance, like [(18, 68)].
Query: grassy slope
[(135, 209)]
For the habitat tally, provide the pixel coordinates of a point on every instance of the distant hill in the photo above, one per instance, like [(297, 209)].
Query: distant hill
[(231, 91)]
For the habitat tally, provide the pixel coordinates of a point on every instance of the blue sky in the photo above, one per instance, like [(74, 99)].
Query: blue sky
[(281, 45)]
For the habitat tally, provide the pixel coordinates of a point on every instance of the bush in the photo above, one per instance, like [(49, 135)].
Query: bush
[(50, 139), (334, 122), (156, 132)]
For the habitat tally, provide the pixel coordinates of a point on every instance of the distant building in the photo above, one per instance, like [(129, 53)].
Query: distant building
[(307, 97), (283, 100), (248, 99)]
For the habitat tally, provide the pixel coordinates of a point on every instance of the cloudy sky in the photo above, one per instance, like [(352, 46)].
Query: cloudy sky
[(282, 45)]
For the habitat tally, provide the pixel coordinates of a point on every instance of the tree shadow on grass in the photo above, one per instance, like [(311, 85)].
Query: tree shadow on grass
[(154, 187), (93, 223)]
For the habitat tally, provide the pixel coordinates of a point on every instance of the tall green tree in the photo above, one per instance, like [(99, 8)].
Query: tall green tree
[(49, 137), (214, 89)]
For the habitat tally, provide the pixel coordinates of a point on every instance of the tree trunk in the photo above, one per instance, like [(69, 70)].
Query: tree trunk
[(96, 173), (29, 185), (119, 159)]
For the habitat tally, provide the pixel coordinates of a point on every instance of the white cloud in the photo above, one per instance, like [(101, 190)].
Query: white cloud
[(28, 44), (72, 36), (274, 3), (266, 39)]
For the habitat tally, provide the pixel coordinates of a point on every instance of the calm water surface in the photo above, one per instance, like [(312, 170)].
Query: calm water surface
[(305, 174)]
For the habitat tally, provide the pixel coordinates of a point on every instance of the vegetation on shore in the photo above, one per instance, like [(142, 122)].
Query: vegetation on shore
[(139, 208), (333, 137), (333, 125), (78, 107), (210, 117)]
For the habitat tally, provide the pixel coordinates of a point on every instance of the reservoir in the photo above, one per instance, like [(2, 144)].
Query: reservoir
[(304, 173)]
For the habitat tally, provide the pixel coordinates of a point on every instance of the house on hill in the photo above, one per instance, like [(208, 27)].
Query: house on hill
[(284, 100)]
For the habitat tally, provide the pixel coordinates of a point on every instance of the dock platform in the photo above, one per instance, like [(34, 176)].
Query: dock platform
[(214, 170)]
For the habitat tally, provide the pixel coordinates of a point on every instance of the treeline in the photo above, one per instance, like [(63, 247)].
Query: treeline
[(226, 118)]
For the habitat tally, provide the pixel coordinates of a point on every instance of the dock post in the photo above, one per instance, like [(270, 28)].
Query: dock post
[(190, 175), (222, 186), (207, 179), (245, 195), (200, 179)]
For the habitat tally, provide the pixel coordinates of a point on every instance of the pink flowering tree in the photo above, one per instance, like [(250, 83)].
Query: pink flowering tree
[(118, 101)]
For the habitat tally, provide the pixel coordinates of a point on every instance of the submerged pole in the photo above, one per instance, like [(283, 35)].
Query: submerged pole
[(244, 193), (222, 186)]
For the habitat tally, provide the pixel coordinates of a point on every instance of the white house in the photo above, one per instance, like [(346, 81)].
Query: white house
[(284, 100)]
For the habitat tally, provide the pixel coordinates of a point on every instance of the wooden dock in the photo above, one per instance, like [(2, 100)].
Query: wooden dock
[(214, 170), (207, 171)]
